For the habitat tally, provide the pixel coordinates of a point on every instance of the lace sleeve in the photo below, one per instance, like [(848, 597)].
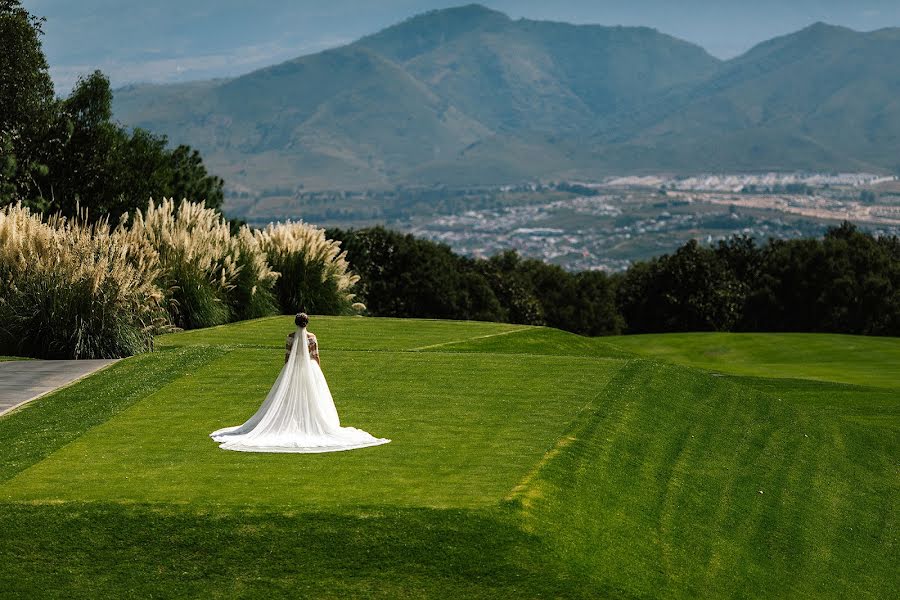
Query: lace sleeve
[(313, 346)]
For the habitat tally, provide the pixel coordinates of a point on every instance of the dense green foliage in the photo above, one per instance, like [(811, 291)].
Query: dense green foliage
[(617, 476), (26, 101), (402, 276), (847, 282), (57, 155)]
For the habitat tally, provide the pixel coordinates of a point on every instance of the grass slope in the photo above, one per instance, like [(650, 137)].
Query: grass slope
[(827, 357), (462, 436), (681, 483), (525, 463)]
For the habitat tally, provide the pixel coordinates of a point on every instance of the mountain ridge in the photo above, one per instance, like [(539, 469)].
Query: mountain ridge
[(422, 101)]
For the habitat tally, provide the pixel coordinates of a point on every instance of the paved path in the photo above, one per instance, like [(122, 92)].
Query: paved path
[(24, 380)]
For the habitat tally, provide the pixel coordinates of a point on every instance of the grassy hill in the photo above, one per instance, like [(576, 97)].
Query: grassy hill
[(525, 462)]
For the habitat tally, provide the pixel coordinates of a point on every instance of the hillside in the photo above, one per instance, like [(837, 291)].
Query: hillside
[(525, 463), (822, 98), (412, 102), (469, 96)]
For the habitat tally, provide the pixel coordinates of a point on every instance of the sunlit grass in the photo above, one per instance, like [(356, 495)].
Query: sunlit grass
[(462, 436), (525, 463), (829, 357)]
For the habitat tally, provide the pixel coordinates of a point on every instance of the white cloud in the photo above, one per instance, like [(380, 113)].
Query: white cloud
[(187, 68)]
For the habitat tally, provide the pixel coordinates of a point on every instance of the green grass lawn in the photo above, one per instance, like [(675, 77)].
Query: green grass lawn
[(450, 448), (828, 357), (344, 333), (525, 463)]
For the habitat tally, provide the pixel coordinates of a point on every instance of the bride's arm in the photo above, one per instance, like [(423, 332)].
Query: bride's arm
[(313, 347)]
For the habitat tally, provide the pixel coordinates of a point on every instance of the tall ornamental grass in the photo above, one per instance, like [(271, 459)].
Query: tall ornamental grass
[(72, 290), (208, 276), (315, 275), (253, 294)]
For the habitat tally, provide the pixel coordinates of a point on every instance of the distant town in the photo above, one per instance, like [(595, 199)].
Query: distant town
[(605, 224)]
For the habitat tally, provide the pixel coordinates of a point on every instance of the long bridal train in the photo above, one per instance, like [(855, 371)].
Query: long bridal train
[(298, 415)]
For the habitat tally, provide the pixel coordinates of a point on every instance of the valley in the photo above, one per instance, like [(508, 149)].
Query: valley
[(603, 225)]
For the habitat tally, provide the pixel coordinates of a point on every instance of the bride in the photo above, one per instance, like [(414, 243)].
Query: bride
[(298, 415)]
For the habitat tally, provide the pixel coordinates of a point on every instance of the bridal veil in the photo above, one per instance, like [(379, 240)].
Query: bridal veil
[(298, 415)]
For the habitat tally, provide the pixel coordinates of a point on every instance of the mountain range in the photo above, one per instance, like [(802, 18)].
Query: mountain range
[(469, 96)]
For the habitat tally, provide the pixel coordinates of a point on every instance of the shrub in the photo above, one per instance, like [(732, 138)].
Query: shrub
[(847, 282), (69, 290), (403, 276), (209, 277), (693, 289), (253, 294), (314, 273), (513, 288)]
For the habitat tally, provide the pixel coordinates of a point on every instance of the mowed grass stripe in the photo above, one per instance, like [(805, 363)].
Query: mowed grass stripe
[(698, 486), (860, 360), (875, 406), (465, 430), (535, 341), (39, 428), (473, 338), (111, 550), (338, 333)]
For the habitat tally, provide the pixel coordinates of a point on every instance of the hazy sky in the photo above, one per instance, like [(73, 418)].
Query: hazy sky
[(178, 40)]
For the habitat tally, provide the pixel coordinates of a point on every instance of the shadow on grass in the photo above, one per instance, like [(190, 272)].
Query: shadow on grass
[(114, 550)]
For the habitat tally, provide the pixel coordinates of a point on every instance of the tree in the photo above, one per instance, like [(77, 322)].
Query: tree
[(403, 276), (27, 104), (597, 311), (104, 169), (59, 155), (512, 288), (81, 167), (189, 178), (690, 290)]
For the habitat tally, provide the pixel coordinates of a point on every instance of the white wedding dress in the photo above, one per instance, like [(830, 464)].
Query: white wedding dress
[(298, 415)]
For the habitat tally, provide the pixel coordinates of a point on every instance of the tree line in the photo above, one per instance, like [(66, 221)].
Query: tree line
[(59, 154), (846, 282)]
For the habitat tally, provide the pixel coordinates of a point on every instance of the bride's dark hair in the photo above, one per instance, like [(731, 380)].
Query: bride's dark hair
[(302, 320)]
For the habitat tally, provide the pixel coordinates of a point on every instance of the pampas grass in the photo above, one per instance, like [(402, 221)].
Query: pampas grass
[(208, 276), (197, 265), (315, 274), (70, 290), (253, 294)]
